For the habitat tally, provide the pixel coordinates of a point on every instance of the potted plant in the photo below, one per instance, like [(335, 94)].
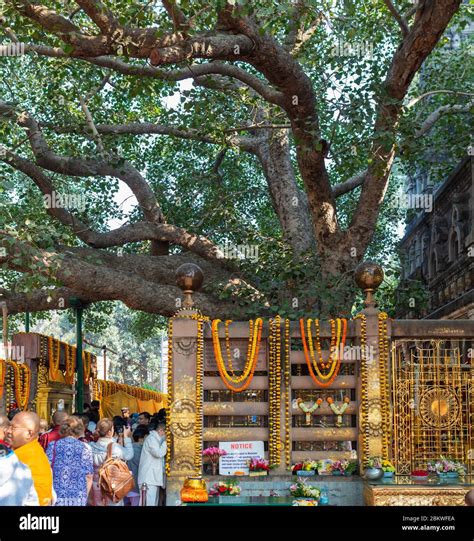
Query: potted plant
[(305, 469), (302, 491), (446, 468), (228, 488), (374, 470), (350, 467), (338, 467), (258, 467), (213, 454), (388, 468)]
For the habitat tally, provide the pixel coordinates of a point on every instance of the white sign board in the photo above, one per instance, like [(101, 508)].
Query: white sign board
[(235, 462)]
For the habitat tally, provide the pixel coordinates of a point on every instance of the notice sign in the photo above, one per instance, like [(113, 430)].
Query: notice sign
[(235, 462)]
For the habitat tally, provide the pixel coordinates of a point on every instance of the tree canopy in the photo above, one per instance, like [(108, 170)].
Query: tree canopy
[(282, 129)]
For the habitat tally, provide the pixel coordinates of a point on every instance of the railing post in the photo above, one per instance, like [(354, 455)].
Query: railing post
[(374, 417), (185, 386)]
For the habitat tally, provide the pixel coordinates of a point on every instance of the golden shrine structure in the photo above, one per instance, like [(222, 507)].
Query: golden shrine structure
[(402, 390)]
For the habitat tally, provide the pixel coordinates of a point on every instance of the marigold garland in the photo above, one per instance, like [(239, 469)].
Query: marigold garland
[(338, 340), (274, 391), (3, 371), (384, 392), (70, 353), (169, 392), (54, 354), (251, 361), (287, 381), (86, 366), (364, 391), (22, 383)]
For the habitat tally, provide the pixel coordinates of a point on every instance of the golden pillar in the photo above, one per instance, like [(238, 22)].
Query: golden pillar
[(372, 387)]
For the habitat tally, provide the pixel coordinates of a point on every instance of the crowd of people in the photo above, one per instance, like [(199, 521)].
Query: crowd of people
[(63, 463)]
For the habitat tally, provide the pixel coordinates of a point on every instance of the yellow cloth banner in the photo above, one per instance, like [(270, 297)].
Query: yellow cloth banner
[(112, 405)]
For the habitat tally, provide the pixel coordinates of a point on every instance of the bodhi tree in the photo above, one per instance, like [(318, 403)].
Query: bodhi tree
[(239, 123)]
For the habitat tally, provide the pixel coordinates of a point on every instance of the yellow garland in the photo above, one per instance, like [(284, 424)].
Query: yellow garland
[(3, 371), (335, 341), (199, 396), (274, 390), (86, 365), (383, 372), (54, 357), (22, 383), (70, 353), (287, 377), (170, 396), (364, 392), (251, 360)]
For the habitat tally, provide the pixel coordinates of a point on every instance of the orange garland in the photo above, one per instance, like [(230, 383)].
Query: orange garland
[(221, 368), (70, 364), (22, 379), (54, 359), (307, 356), (86, 366), (3, 371)]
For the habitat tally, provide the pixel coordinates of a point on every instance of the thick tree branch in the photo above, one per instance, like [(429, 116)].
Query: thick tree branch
[(105, 282), (431, 21), (431, 120)]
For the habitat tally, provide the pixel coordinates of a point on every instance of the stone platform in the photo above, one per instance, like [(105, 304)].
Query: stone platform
[(341, 490)]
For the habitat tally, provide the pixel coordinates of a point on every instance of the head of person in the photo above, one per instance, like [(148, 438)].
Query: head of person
[(161, 415), (44, 426), (95, 405), (4, 424), (161, 429), (59, 417), (139, 434), (23, 429), (125, 413), (72, 427), (85, 420), (12, 413), (144, 418), (105, 428)]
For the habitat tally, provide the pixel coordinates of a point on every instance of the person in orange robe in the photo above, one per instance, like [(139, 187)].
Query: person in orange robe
[(22, 436)]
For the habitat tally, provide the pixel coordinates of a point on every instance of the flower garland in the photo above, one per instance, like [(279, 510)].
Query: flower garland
[(308, 410), (3, 371), (70, 354), (364, 390), (54, 355), (274, 391), (251, 361), (22, 383), (287, 381), (199, 395), (339, 411), (383, 373), (86, 366), (333, 363), (170, 396)]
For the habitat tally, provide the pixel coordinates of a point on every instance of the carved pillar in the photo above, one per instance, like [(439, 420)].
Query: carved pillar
[(185, 421), (372, 387)]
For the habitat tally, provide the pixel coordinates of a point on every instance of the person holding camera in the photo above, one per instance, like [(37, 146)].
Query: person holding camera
[(120, 436)]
